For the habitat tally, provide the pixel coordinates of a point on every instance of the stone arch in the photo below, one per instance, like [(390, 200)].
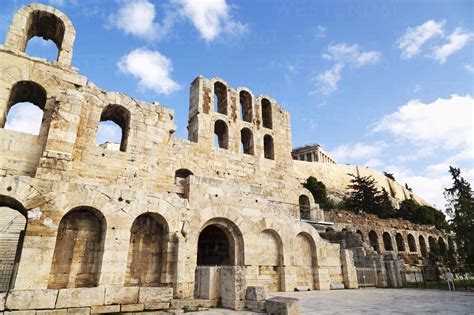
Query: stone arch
[(268, 148), (147, 251), (119, 115), (221, 133), (423, 249), (442, 246), (387, 241), (270, 265), (411, 243), (25, 92), (220, 243), (13, 221), (361, 235), (246, 140), (451, 245), (374, 240), (305, 260), (304, 206), (181, 175), (432, 242), (42, 21), (79, 248), (220, 98), (400, 242), (266, 113), (246, 108)]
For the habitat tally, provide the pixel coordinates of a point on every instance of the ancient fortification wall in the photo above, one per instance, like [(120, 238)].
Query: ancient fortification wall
[(130, 229)]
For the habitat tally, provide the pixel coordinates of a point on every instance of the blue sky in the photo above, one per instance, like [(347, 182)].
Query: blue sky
[(382, 84)]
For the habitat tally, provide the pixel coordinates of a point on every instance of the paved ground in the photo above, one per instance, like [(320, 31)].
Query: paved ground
[(376, 301)]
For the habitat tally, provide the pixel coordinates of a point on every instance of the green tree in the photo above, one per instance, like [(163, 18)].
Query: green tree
[(385, 207), (319, 192), (363, 196), (389, 175), (460, 207), (413, 212)]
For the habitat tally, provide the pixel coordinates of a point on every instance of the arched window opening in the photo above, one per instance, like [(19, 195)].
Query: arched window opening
[(451, 244), (267, 114), (374, 241), (25, 108), (246, 106), (442, 246), (304, 207), (221, 135), (387, 241), (268, 150), (214, 247), (246, 139), (423, 249), (47, 26), (12, 227), (146, 256), (361, 235), (113, 128), (79, 249), (411, 243), (432, 242), (220, 98), (41, 48), (181, 175), (401, 242)]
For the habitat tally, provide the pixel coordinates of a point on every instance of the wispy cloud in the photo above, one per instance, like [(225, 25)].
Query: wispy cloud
[(151, 68), (320, 31), (415, 37), (358, 151), (469, 68), (327, 81), (456, 41)]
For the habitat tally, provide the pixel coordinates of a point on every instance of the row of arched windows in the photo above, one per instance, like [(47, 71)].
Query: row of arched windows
[(400, 244), (247, 146), (246, 108)]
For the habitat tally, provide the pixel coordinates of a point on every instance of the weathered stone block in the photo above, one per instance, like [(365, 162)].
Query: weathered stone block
[(79, 311), (52, 312), (157, 306), (31, 299), (19, 313), (100, 309), (2, 301), (155, 295), (80, 297), (127, 295), (255, 294), (132, 307), (336, 286), (256, 306), (279, 305)]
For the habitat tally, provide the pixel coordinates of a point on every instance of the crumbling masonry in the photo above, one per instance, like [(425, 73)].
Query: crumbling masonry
[(156, 221)]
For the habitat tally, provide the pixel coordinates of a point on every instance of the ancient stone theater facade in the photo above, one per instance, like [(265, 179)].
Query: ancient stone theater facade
[(156, 220)]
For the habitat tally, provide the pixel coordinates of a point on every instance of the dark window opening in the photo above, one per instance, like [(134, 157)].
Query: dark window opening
[(411, 243), (221, 135), (213, 247), (304, 207), (268, 147), (374, 241), (442, 246), (220, 98), (246, 139), (113, 128), (423, 249), (400, 242), (181, 175), (246, 106), (361, 235), (267, 114), (25, 107), (387, 241), (47, 26)]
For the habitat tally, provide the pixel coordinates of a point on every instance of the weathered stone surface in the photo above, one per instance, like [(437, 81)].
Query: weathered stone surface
[(255, 293), (279, 305), (80, 297), (117, 295), (99, 309), (52, 312), (132, 307), (79, 311), (157, 306), (2, 301), (19, 313), (31, 299), (155, 295)]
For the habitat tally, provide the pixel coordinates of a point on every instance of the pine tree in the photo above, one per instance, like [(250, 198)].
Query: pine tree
[(385, 208), (461, 207), (363, 196)]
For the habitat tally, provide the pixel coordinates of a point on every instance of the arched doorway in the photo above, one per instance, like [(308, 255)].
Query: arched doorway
[(423, 249), (411, 243), (304, 260), (442, 246), (387, 241), (77, 258), (270, 263), (374, 241), (400, 242), (361, 235), (146, 256), (13, 222)]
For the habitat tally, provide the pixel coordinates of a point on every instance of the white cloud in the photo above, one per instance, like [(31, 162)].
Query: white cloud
[(108, 131), (410, 43), (211, 18), (151, 68), (24, 117), (456, 41), (373, 163), (351, 55), (469, 68), (358, 151), (320, 31), (327, 81), (137, 17), (444, 123)]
